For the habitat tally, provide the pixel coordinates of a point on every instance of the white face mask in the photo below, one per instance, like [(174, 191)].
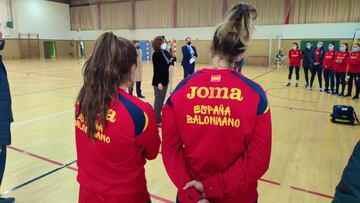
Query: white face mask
[(294, 47), (163, 46), (331, 48)]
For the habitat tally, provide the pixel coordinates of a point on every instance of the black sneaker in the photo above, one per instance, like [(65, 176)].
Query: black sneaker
[(348, 95), (326, 90), (340, 94), (7, 200), (297, 85), (356, 97), (141, 96), (288, 85)]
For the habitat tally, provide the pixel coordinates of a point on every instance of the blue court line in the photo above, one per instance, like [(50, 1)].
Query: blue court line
[(36, 179)]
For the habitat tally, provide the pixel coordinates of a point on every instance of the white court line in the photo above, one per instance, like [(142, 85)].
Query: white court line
[(42, 118)]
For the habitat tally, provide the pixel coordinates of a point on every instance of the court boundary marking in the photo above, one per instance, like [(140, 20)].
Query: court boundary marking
[(68, 166), (61, 166), (42, 118), (40, 91)]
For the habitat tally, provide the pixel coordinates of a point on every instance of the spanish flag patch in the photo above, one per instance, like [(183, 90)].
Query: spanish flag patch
[(216, 78)]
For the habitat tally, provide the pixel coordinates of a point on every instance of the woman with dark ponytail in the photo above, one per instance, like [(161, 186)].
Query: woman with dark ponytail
[(217, 124), (115, 132)]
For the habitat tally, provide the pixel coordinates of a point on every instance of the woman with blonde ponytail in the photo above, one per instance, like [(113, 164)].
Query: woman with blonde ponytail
[(217, 125)]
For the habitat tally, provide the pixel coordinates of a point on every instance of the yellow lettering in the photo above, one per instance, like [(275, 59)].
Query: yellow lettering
[(197, 109), (192, 93), (236, 94), (223, 90), (203, 92), (111, 116)]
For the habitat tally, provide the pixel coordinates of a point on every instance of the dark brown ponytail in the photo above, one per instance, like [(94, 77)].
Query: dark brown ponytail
[(108, 67)]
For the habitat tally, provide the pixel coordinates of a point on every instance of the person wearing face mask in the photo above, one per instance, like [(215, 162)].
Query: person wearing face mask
[(161, 62), (189, 57), (328, 64), (294, 62), (340, 68), (138, 76), (317, 56), (307, 62), (354, 70)]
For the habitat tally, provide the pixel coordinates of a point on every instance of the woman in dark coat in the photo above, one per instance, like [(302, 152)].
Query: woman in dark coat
[(162, 60), (6, 117)]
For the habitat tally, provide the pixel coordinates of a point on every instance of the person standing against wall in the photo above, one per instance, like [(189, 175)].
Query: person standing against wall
[(317, 56), (189, 57), (161, 62), (328, 64), (294, 62), (354, 68), (307, 62), (6, 117), (340, 68)]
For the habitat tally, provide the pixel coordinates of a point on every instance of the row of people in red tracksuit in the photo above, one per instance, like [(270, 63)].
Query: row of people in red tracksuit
[(337, 67)]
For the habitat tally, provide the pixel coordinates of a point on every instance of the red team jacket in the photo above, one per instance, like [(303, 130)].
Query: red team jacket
[(295, 57), (354, 62), (217, 130), (328, 61), (342, 66), (111, 167)]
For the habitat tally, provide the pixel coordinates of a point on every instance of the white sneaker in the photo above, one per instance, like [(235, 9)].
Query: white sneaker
[(321, 89)]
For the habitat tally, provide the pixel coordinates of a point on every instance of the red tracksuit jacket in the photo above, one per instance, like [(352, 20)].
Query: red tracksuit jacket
[(217, 130), (328, 61), (354, 62), (111, 167), (342, 66), (295, 57)]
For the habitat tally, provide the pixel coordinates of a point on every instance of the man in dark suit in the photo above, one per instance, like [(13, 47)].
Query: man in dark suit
[(6, 118), (189, 57)]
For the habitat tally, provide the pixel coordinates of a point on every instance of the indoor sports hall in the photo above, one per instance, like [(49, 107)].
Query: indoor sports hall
[(46, 44)]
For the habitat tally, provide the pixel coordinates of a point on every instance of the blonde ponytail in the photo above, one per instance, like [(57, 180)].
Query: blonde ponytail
[(233, 34)]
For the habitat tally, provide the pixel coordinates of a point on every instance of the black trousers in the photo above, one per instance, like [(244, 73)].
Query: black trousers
[(138, 88), (329, 76), (340, 79), (159, 101), (189, 70), (2, 161), (297, 72), (357, 83), (306, 73), (352, 77), (316, 69)]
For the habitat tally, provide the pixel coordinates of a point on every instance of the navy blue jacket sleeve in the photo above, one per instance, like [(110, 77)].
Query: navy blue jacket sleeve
[(195, 52), (2, 44)]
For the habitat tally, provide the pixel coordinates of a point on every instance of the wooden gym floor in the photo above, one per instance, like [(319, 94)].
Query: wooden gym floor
[(308, 154)]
